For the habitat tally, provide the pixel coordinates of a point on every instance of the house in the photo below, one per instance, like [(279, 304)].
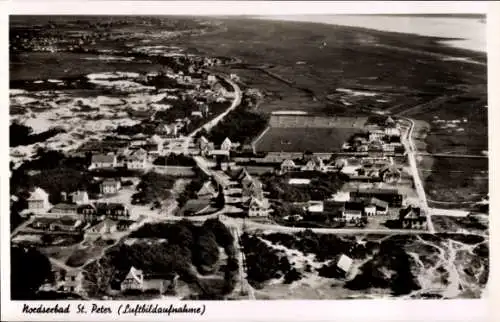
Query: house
[(133, 281), (381, 207), (287, 165), (258, 207), (137, 160), (67, 224), (226, 145), (390, 174), (251, 187), (103, 161), (110, 186), (412, 218), (87, 213), (112, 210), (207, 191), (197, 114), (167, 129), (163, 283), (38, 200), (353, 211), (344, 265), (62, 209), (80, 197), (315, 207), (314, 164), (211, 79), (375, 135), (68, 281), (391, 196), (107, 226)]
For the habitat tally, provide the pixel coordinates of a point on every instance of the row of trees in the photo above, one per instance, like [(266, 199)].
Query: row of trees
[(240, 125), (189, 249)]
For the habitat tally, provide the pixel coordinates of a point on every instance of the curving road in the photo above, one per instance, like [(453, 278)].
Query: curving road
[(236, 102)]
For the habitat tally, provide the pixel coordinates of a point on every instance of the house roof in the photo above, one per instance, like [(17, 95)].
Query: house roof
[(353, 205), (378, 203), (203, 139), (344, 263), (112, 206), (288, 163), (207, 188), (64, 206), (411, 213), (102, 224), (195, 205), (134, 273), (377, 191), (261, 202), (38, 194), (103, 158), (226, 141), (110, 181)]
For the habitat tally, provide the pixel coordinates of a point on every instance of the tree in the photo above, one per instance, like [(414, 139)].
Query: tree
[(206, 251), (25, 280)]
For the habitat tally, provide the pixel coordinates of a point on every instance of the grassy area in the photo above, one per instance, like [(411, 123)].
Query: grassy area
[(448, 224), (305, 139), (455, 179)]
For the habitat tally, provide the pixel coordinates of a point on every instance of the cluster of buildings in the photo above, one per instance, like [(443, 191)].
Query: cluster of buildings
[(76, 214), (378, 141), (243, 193)]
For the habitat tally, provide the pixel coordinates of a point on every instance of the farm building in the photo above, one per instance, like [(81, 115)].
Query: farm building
[(391, 196)]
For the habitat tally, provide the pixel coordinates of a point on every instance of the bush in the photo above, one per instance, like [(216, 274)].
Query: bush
[(25, 281)]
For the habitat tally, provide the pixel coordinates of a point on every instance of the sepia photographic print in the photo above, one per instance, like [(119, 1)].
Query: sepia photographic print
[(166, 158)]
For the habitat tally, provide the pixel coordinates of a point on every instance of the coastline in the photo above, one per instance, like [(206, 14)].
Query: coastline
[(464, 46)]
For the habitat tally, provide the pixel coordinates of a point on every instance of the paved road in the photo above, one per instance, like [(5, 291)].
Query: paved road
[(445, 155), (210, 124), (419, 187)]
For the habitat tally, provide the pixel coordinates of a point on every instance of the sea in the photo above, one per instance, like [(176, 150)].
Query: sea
[(465, 32)]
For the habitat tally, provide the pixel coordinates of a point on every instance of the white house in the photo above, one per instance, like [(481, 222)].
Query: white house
[(287, 165), (137, 160), (226, 145), (315, 164), (110, 186), (133, 281), (80, 197), (105, 227), (100, 161), (38, 200), (258, 207)]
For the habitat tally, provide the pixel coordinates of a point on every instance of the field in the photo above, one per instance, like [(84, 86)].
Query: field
[(304, 139), (454, 180)]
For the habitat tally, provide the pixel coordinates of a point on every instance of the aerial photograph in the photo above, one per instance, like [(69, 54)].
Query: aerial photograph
[(301, 157)]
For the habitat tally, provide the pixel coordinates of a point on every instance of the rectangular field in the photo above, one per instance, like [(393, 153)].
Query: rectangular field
[(304, 139)]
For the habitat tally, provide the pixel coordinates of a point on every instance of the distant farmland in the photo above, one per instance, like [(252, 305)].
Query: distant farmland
[(303, 139)]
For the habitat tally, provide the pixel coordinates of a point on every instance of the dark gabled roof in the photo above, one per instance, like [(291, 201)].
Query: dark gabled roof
[(64, 206), (354, 205), (377, 191), (111, 206), (103, 158), (410, 213)]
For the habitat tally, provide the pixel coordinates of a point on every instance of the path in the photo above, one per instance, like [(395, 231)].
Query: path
[(419, 187)]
